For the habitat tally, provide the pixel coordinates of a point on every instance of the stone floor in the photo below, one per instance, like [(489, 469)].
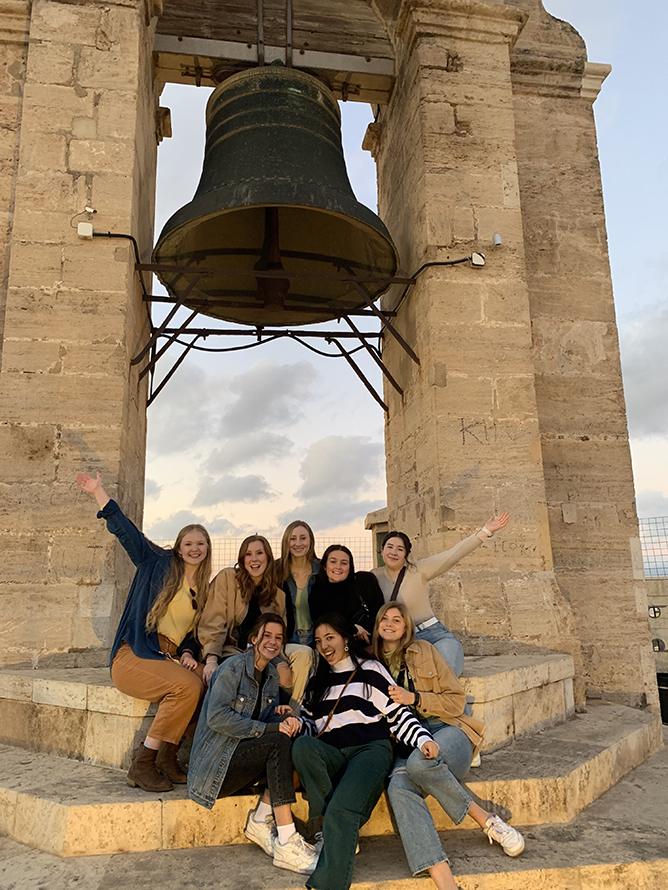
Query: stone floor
[(619, 843)]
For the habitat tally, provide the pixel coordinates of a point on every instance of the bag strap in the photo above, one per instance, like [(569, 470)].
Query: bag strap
[(331, 713), (397, 585)]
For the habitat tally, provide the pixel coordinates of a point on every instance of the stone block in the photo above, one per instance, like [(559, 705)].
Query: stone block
[(55, 23), (59, 399), (8, 799), (46, 728), (26, 453), (95, 155), (22, 557), (32, 356), (114, 121), (499, 721), (109, 700), (537, 708), (112, 70), (41, 823), (50, 63), (111, 260), (37, 265), (38, 224), (186, 824), (17, 688), (111, 740), (59, 692)]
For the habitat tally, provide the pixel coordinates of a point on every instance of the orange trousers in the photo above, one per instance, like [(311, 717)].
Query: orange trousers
[(178, 690)]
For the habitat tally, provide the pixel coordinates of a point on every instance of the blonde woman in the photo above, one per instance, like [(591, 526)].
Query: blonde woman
[(296, 572), (153, 654), (237, 597), (425, 683)]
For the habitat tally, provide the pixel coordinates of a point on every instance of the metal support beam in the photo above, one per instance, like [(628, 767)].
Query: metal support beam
[(384, 321), (374, 355), (158, 331), (163, 349), (359, 373)]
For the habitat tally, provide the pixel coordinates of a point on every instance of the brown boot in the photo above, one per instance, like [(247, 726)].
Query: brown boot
[(168, 764), (144, 773)]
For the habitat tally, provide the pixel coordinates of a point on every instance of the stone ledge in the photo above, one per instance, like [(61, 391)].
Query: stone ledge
[(73, 809)]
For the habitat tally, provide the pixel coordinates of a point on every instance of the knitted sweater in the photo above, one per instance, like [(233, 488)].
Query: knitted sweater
[(365, 712)]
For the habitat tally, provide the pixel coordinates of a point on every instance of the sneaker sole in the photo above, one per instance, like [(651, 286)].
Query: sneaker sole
[(299, 871)]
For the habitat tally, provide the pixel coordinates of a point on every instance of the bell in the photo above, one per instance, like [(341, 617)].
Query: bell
[(274, 197)]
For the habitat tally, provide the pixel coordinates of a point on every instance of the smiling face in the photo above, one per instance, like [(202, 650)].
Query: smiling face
[(193, 548), (330, 644), (391, 628), (299, 542), (338, 566), (268, 645), (394, 554), (256, 560)]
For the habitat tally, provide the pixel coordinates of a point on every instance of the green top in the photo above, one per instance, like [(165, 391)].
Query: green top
[(302, 610)]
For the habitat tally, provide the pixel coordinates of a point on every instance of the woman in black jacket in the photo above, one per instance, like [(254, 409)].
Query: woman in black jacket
[(338, 588)]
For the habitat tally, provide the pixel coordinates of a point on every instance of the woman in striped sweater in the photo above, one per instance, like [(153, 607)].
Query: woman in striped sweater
[(344, 753)]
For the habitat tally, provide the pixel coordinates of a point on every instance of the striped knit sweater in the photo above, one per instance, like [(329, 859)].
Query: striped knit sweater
[(365, 713)]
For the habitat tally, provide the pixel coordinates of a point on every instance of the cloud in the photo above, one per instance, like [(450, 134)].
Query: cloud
[(327, 513), (152, 489), (232, 490), (268, 395), (180, 418), (651, 504), (645, 364), (339, 464), (167, 529), (247, 450)]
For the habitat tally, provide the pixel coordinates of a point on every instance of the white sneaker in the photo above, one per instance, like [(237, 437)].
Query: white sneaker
[(263, 834), (318, 845), (295, 855), (509, 838), (477, 761)]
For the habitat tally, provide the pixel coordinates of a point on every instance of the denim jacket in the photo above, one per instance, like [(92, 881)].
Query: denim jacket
[(225, 720), (290, 588)]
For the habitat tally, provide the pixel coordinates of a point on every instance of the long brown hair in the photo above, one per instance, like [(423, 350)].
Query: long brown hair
[(266, 589), (284, 564), (175, 576), (406, 639)]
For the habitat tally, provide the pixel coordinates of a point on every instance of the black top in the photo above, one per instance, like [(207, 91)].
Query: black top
[(358, 599)]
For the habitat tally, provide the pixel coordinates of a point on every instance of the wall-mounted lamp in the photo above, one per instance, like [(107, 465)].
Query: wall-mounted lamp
[(497, 240)]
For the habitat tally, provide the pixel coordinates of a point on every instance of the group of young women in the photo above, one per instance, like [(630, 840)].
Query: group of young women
[(302, 671)]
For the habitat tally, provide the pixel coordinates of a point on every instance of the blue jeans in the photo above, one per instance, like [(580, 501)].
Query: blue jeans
[(446, 643), (413, 780)]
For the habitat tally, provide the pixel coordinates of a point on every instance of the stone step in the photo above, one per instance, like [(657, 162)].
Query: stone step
[(619, 843), (75, 809), (77, 713)]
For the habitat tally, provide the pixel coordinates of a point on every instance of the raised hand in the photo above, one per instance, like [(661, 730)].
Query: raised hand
[(496, 523), (362, 634), (85, 482)]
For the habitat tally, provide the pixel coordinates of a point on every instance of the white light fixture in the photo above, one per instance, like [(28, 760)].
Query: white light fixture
[(497, 240)]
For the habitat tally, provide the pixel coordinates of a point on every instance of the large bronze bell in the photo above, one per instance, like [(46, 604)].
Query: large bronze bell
[(274, 195)]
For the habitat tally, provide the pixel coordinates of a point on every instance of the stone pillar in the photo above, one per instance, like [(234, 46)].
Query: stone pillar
[(465, 441), (73, 316), (581, 410)]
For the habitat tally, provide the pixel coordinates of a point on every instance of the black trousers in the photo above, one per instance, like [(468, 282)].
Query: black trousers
[(267, 757)]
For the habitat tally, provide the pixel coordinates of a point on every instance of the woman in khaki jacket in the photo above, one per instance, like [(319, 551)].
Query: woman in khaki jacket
[(428, 686), (237, 598)]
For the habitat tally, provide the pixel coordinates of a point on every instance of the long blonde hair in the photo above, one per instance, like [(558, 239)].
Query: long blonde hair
[(406, 638), (266, 589), (175, 576), (284, 564)]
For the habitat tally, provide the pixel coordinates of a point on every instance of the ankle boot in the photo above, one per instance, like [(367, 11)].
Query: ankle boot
[(167, 763), (144, 773)]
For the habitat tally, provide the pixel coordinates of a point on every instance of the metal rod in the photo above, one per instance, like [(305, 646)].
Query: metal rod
[(288, 34), (381, 364), (234, 304), (385, 321), (155, 393), (359, 373), (260, 34), (182, 330), (274, 273), (156, 333), (272, 332)]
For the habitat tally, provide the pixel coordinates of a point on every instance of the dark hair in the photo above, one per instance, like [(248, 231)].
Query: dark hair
[(404, 537), (266, 590), (264, 619), (322, 574), (324, 676)]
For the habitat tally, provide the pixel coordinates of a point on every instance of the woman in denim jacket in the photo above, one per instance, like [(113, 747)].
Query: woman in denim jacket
[(240, 740), (426, 684)]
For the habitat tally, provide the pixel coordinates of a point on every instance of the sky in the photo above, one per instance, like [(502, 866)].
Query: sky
[(249, 440)]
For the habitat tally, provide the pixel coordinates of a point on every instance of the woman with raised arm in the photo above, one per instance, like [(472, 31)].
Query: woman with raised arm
[(237, 597), (424, 682), (344, 754), (338, 588), (153, 656), (407, 582), (296, 572), (240, 741)]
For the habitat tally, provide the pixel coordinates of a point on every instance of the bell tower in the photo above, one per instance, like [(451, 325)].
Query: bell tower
[(484, 410)]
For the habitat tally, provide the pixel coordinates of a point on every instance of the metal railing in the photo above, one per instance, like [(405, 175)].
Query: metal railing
[(654, 542)]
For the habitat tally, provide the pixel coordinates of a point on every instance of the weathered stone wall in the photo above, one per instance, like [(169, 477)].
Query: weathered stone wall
[(73, 318), (580, 398), (657, 595), (466, 441)]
